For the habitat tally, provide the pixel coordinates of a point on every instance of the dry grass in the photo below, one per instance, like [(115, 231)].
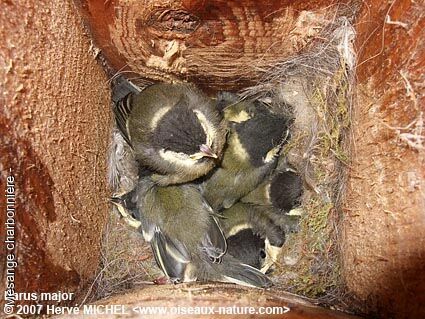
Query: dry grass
[(127, 261)]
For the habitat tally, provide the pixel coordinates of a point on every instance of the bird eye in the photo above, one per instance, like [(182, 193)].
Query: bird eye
[(262, 253)]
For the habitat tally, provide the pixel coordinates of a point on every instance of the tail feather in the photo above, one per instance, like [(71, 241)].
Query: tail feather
[(170, 255), (122, 87), (122, 110), (245, 275), (232, 270)]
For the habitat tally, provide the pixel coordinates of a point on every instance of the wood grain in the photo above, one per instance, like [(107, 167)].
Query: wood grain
[(217, 44), (383, 243), (54, 124)]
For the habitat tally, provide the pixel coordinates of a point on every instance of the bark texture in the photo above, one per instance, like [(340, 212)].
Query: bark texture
[(54, 124)]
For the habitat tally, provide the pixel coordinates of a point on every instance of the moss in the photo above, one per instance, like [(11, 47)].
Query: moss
[(294, 142), (333, 112), (313, 270), (317, 222), (317, 272)]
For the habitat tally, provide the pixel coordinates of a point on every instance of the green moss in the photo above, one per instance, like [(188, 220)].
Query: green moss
[(294, 142), (332, 108), (318, 268)]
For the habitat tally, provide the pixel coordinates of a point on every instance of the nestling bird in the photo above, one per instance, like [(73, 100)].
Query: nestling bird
[(247, 246), (173, 129), (279, 197), (123, 169), (270, 212), (285, 191), (282, 190), (256, 226), (255, 140), (252, 235), (186, 239)]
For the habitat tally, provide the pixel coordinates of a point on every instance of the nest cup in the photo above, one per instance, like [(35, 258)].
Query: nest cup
[(314, 88)]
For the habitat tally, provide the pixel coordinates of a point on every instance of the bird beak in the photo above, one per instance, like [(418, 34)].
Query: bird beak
[(116, 201), (206, 151)]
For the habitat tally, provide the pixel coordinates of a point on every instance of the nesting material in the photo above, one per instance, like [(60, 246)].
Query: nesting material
[(126, 261), (317, 85)]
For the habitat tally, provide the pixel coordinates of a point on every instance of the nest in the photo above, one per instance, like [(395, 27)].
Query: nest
[(316, 88), (126, 261)]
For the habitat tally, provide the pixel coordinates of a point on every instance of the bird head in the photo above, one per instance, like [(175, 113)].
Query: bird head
[(186, 136), (248, 247)]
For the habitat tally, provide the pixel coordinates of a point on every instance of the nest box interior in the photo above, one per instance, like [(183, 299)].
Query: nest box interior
[(353, 71)]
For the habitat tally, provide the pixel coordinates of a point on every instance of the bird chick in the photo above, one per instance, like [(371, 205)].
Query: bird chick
[(271, 211), (123, 169), (185, 236), (173, 129), (255, 139), (247, 246), (252, 235), (282, 190)]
